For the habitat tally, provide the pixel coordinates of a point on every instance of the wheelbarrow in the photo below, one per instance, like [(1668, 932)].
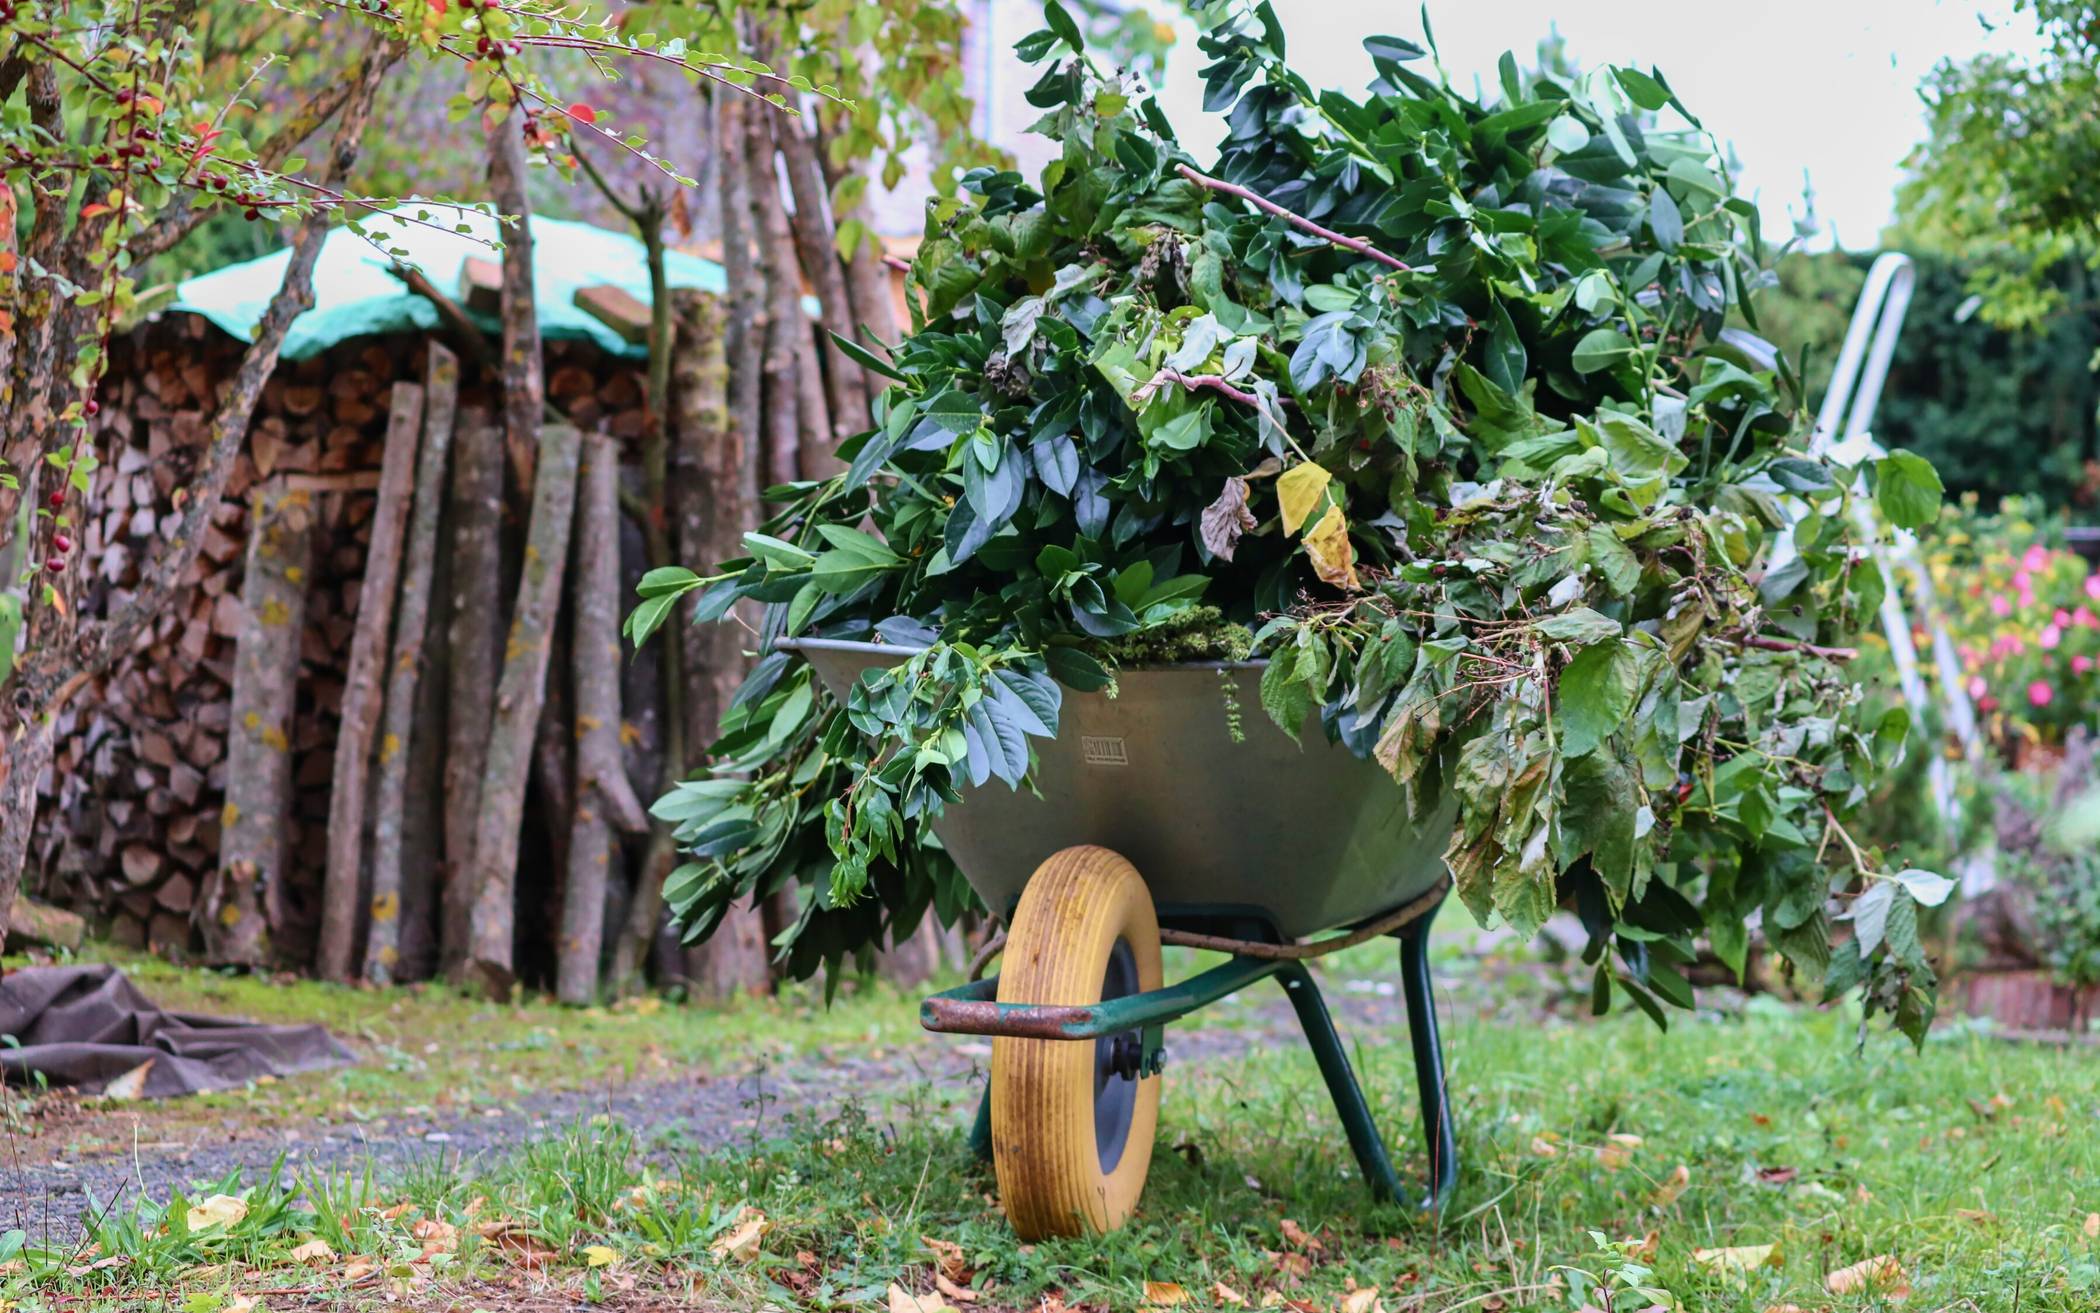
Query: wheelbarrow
[(1164, 815)]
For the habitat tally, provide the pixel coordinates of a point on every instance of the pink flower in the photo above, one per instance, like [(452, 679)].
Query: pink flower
[(2050, 636), (1977, 688), (2092, 586), (2081, 663), (2036, 557), (2062, 618), (2040, 694), (2001, 605), (2023, 581), (2084, 619)]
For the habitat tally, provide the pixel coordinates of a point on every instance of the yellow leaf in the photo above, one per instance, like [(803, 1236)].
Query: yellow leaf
[(600, 1255), (1225, 1294), (741, 1244), (1363, 1299), (1165, 1294), (313, 1251), (1299, 491), (904, 1301), (1881, 1273), (1669, 1191), (219, 1210), (1333, 556), (1736, 1260)]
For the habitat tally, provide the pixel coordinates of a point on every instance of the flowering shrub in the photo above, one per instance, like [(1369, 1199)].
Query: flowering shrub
[(2024, 614)]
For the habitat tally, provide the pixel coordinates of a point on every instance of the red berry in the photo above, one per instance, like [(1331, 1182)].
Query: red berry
[(93, 407), (55, 564), (56, 499), (124, 97), (253, 214), (61, 542)]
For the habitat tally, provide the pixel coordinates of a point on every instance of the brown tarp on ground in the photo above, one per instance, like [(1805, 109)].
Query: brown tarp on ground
[(86, 1026)]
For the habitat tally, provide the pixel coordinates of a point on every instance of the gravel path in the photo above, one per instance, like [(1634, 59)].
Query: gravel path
[(47, 1196)]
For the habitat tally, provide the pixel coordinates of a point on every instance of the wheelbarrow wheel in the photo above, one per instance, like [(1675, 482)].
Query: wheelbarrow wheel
[(1072, 1121)]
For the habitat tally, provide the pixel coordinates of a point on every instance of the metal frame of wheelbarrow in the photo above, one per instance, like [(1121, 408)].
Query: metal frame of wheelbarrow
[(973, 1009)]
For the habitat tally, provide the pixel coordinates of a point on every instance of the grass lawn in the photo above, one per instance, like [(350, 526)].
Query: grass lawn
[(1603, 1165)]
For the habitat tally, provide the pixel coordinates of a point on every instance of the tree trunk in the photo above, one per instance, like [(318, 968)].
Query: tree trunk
[(744, 308), (343, 892), (45, 677), (524, 381), (867, 277), (602, 792), (383, 941), (786, 326), (518, 693), (816, 241), (475, 657), (259, 749)]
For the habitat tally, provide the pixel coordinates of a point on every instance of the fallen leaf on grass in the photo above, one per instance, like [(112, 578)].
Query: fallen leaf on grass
[(437, 1237), (1777, 1175), (1225, 1294), (2092, 1226), (218, 1210), (599, 1255), (1294, 1234), (949, 1257), (1290, 1264), (1643, 1248), (357, 1269), (1673, 1187), (904, 1301), (1733, 1261), (741, 1244), (960, 1294), (394, 1213), (1617, 1151), (1881, 1274), (1363, 1299), (1165, 1294), (1542, 1147), (313, 1251)]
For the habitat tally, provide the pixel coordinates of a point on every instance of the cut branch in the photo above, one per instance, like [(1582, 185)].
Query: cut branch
[(1297, 221), (1763, 643)]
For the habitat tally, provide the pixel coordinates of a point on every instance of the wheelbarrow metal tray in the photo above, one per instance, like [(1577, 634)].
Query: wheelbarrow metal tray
[(1185, 775)]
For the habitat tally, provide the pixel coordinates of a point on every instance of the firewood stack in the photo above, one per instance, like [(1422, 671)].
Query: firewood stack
[(130, 827)]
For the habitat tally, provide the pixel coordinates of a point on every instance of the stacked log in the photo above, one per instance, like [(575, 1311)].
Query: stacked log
[(130, 830)]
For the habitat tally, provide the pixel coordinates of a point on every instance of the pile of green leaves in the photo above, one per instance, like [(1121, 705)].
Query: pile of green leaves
[(1461, 437)]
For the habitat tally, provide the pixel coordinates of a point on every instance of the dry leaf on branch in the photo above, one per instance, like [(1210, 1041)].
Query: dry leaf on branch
[(1225, 519)]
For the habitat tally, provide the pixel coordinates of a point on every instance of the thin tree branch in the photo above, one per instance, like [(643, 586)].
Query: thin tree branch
[(1789, 645), (1297, 221)]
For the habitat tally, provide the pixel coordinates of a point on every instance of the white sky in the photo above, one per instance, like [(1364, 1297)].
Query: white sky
[(1830, 86)]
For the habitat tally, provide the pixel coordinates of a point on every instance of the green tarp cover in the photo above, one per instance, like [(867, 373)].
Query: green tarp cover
[(356, 292)]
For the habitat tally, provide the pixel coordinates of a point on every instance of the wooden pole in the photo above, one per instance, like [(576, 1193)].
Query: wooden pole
[(383, 940), (603, 796), (816, 242), (744, 309), (474, 658), (524, 367), (343, 892), (786, 325), (519, 691), (259, 750)]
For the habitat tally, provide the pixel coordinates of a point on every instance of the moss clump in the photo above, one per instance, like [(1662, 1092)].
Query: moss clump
[(1200, 633)]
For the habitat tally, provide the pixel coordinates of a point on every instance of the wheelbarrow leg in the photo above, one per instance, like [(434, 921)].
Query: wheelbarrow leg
[(981, 1128), (1430, 1086), (1364, 1140)]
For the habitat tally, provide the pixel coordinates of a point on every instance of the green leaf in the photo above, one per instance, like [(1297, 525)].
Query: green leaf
[(1597, 690), (1615, 561), (1601, 348), (1928, 887), (1664, 220), (1061, 23), (1580, 627), (1907, 489), (865, 358)]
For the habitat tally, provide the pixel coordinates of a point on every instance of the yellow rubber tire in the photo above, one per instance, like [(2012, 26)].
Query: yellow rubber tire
[(1084, 916)]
